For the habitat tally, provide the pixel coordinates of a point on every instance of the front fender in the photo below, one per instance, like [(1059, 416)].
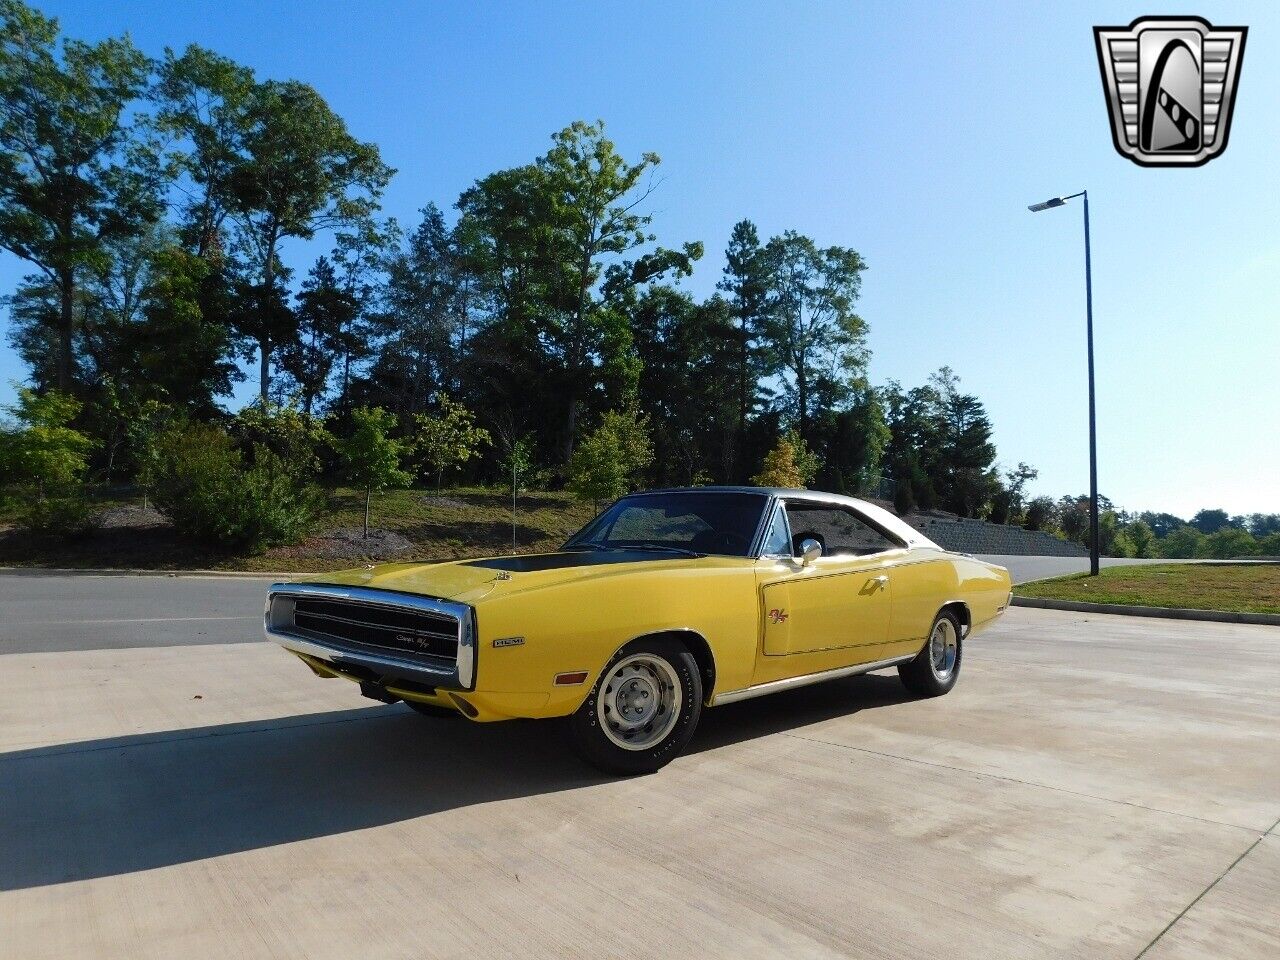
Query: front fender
[(580, 625)]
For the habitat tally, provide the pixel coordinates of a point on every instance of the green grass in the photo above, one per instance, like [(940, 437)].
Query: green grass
[(1239, 588), (467, 522)]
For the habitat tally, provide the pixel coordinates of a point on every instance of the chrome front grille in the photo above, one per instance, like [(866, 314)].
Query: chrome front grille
[(370, 625), (396, 635)]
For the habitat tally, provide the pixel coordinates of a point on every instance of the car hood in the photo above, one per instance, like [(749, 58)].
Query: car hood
[(469, 581)]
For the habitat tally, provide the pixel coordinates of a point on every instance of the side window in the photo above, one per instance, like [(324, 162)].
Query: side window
[(841, 532), (777, 542)]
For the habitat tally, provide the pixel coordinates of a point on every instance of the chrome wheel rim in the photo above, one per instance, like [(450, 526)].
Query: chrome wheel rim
[(944, 648), (638, 703)]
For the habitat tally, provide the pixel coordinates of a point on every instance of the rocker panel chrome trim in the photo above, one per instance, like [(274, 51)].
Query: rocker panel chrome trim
[(791, 683)]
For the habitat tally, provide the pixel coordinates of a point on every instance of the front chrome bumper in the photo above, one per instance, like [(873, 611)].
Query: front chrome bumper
[(460, 674)]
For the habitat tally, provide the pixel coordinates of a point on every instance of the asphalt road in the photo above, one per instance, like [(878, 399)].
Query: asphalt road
[(1096, 786), (50, 612)]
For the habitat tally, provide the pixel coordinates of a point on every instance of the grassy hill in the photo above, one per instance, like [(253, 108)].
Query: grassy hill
[(405, 525)]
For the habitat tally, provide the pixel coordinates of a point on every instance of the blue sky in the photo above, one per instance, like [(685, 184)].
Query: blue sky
[(917, 135)]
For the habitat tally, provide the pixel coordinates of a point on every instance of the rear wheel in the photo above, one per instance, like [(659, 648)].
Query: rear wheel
[(937, 667), (642, 710)]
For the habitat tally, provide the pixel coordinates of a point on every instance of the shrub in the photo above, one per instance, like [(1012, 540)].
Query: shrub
[(44, 459), (789, 464), (605, 464), (209, 494), (62, 511)]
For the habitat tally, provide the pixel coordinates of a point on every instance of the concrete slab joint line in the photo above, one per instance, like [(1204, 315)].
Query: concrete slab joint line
[(1131, 610), (1203, 893)]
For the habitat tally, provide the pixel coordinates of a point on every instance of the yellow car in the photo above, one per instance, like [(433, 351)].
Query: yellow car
[(668, 602)]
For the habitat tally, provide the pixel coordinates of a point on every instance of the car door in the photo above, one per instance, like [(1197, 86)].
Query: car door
[(829, 613)]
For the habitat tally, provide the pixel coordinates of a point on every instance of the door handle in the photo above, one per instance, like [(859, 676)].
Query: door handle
[(882, 580)]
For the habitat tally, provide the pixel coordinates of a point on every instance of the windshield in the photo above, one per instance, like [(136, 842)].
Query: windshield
[(682, 522)]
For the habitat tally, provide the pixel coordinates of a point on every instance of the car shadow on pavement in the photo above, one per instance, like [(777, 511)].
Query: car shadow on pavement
[(123, 804)]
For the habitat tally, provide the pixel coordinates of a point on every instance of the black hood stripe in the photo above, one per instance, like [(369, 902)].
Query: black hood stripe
[(569, 558)]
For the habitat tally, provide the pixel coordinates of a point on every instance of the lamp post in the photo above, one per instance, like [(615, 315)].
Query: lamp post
[(1093, 425)]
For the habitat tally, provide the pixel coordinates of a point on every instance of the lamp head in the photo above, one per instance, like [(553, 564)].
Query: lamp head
[(1055, 202)]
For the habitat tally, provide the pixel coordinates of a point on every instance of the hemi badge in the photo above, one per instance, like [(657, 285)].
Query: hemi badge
[(509, 642)]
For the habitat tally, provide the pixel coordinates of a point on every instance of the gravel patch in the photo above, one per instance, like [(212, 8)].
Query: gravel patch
[(131, 516), (348, 543)]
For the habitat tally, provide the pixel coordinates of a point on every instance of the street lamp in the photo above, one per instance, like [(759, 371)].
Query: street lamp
[(1093, 426)]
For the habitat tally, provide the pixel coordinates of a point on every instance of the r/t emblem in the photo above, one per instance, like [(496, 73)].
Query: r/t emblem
[(777, 615)]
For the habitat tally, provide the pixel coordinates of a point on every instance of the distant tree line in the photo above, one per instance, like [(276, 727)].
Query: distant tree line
[(535, 334)]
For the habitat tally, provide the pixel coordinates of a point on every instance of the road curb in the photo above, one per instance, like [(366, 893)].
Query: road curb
[(114, 572), (1168, 613)]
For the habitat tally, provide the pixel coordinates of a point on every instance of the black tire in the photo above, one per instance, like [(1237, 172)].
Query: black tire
[(924, 675), (430, 709), (640, 665)]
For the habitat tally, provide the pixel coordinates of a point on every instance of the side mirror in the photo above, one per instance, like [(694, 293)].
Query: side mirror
[(810, 550)]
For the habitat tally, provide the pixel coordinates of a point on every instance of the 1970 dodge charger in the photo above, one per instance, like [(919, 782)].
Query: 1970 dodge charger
[(665, 604)]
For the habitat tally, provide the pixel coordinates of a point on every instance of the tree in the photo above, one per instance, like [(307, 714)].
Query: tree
[(1142, 537), (604, 466), (1227, 543), (1261, 524), (1113, 539), (371, 456), (516, 464), (1161, 524), (424, 319), (203, 101), (549, 242), (746, 281), (1073, 518), (45, 451), (963, 470), (687, 383), (1041, 514), (1009, 498), (302, 172), (1211, 521), (789, 464), (854, 441), (447, 439), (810, 334), (1269, 546), (914, 441), (46, 459), (1181, 543), (147, 427), (294, 436), (325, 311), (73, 173)]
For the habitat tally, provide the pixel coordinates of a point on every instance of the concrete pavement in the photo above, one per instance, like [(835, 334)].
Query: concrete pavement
[(1095, 787)]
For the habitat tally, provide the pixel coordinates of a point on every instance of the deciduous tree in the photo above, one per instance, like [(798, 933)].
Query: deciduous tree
[(303, 172), (789, 464), (605, 465), (73, 172), (371, 456), (447, 438)]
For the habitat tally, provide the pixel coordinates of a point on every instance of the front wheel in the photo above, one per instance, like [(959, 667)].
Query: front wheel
[(937, 667), (642, 710)]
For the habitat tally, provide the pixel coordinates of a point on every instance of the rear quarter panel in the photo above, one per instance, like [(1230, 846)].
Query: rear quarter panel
[(928, 579)]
